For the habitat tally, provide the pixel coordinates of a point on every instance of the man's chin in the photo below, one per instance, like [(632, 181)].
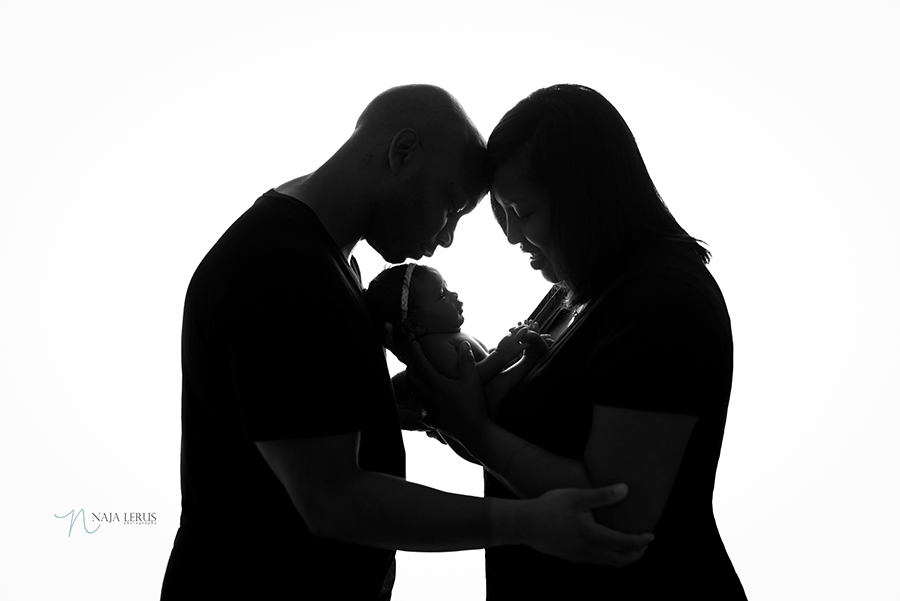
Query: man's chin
[(393, 257)]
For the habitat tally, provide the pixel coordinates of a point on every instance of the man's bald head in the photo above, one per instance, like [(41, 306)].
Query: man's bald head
[(426, 108), (437, 118)]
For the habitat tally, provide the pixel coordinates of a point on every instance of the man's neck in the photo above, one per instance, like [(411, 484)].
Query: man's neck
[(335, 210)]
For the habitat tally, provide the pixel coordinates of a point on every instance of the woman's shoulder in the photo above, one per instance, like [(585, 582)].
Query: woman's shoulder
[(670, 275), (667, 295)]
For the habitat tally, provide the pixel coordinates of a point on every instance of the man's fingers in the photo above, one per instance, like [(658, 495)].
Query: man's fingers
[(628, 547), (620, 560), (594, 498)]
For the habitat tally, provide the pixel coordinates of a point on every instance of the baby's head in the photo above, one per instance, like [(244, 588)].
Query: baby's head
[(414, 299)]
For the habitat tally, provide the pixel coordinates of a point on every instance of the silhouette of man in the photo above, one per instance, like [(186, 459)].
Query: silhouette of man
[(292, 461)]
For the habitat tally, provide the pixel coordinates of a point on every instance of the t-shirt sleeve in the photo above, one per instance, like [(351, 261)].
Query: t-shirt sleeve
[(295, 361), (661, 354)]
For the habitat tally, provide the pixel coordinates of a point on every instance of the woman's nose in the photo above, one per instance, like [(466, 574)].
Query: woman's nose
[(513, 231)]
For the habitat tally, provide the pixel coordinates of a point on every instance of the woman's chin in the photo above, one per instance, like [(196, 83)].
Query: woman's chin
[(550, 274), (540, 262)]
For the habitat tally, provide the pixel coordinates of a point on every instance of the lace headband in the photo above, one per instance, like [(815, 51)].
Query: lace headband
[(404, 292)]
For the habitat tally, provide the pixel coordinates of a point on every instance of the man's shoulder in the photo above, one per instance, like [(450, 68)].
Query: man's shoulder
[(276, 248)]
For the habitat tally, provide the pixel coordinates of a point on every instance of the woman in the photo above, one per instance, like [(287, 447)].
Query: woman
[(636, 387)]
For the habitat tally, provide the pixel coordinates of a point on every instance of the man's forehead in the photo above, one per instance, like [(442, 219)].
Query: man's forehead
[(465, 197), (472, 192), (474, 171)]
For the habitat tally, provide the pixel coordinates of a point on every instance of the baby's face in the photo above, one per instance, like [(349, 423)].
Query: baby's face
[(437, 309)]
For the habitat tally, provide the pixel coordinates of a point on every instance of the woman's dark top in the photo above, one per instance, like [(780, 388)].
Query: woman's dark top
[(658, 339)]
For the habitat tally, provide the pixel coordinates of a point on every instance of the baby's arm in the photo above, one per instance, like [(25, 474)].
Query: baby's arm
[(442, 352), (536, 346), (509, 349)]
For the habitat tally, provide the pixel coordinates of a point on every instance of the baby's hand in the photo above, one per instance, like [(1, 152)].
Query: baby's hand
[(511, 345), (536, 344), (528, 323)]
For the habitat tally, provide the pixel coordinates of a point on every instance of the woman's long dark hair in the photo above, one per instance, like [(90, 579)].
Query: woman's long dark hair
[(570, 141)]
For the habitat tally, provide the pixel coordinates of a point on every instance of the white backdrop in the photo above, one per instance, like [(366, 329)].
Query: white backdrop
[(132, 134)]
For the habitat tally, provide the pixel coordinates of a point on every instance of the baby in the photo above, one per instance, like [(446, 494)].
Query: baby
[(415, 300)]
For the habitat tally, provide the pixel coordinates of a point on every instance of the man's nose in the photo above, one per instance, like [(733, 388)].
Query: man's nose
[(445, 238)]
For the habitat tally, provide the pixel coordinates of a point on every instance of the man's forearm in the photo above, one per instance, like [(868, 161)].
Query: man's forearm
[(525, 468), (384, 511), (388, 512)]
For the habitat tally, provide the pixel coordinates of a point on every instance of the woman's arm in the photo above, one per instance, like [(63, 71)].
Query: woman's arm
[(499, 386), (641, 448)]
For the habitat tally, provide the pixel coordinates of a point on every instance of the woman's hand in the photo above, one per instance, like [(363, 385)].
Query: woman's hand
[(458, 406)]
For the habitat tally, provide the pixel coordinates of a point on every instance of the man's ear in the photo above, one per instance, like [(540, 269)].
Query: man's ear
[(404, 142)]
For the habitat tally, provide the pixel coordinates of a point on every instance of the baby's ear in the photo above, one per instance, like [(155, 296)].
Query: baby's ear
[(410, 324)]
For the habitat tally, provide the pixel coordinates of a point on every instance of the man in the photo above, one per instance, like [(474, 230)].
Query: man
[(292, 466)]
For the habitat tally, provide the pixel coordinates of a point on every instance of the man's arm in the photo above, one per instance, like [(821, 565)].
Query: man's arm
[(340, 501), (641, 448)]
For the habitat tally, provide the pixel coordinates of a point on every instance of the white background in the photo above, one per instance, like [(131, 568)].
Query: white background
[(132, 134)]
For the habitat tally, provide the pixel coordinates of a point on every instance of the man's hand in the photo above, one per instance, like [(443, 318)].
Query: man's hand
[(453, 406), (564, 526), (400, 347), (410, 413)]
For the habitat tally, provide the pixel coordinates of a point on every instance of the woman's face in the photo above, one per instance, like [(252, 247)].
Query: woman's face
[(527, 210)]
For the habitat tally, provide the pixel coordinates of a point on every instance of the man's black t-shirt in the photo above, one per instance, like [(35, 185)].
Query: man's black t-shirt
[(277, 343)]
